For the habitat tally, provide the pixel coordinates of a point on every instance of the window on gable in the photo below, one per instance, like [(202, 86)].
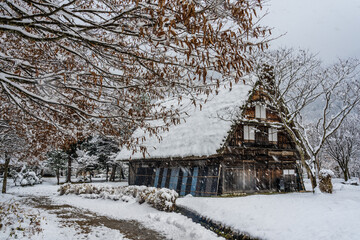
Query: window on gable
[(273, 135), (260, 111), (249, 132)]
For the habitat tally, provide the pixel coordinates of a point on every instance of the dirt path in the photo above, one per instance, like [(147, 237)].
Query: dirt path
[(84, 220)]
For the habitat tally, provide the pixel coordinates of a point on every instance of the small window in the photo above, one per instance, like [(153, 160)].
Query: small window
[(249, 132), (273, 135), (260, 111), (289, 172)]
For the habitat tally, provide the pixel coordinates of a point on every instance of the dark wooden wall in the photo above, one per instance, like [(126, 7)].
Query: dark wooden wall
[(257, 177), (197, 180)]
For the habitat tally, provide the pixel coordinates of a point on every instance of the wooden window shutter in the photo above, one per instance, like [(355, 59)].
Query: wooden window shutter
[(257, 111), (246, 132), (251, 133), (260, 111), (273, 135)]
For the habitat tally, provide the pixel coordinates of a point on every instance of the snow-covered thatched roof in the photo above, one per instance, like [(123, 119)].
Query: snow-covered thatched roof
[(201, 134)]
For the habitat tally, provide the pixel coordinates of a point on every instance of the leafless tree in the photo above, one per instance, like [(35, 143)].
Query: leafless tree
[(297, 82), (344, 145), (72, 68)]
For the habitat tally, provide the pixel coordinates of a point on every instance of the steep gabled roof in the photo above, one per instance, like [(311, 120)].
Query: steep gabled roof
[(203, 132)]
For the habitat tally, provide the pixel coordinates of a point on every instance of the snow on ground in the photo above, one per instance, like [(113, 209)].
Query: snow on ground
[(287, 216), (172, 225), (49, 224), (278, 216)]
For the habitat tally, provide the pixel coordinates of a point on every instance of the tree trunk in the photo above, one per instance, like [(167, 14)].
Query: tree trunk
[(6, 169), (301, 149), (113, 171), (317, 164), (68, 177), (344, 170), (346, 174), (313, 180), (58, 176), (107, 172), (308, 170)]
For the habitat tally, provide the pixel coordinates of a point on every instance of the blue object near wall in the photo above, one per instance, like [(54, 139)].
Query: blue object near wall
[(183, 183), (194, 181), (164, 178), (156, 181), (174, 178)]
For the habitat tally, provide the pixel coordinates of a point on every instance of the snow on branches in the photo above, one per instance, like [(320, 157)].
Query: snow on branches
[(71, 68), (298, 83)]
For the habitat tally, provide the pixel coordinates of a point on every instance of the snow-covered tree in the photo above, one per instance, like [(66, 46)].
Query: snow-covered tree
[(344, 145), (11, 145), (105, 149), (72, 68), (85, 164), (71, 151), (355, 167), (57, 161), (296, 83)]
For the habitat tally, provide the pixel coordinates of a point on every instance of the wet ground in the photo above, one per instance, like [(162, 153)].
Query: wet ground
[(84, 220)]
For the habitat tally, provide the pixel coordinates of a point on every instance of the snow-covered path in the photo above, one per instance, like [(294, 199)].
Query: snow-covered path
[(88, 223), (66, 217)]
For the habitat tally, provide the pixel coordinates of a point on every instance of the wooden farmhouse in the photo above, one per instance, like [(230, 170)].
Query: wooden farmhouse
[(235, 145)]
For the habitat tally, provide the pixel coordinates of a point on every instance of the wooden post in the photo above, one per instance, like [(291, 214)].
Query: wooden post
[(218, 180)]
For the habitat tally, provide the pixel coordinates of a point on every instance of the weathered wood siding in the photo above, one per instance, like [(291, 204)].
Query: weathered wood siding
[(258, 177), (197, 180)]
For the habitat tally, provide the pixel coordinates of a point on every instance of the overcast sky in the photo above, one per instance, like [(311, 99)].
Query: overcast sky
[(330, 28)]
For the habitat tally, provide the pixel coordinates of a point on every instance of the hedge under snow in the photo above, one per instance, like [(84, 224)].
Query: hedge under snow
[(160, 198)]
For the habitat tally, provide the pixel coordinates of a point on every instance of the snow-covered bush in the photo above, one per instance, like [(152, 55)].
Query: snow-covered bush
[(160, 198), (17, 222), (325, 184), (326, 173), (26, 177)]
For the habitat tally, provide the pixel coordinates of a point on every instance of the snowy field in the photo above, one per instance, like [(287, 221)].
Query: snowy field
[(278, 216), (287, 216), (170, 225)]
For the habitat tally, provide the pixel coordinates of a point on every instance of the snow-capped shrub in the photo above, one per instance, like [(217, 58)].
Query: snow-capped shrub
[(160, 198), (325, 184), (26, 177), (326, 173)]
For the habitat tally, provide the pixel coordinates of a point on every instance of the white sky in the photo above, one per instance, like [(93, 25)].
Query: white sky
[(330, 28)]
